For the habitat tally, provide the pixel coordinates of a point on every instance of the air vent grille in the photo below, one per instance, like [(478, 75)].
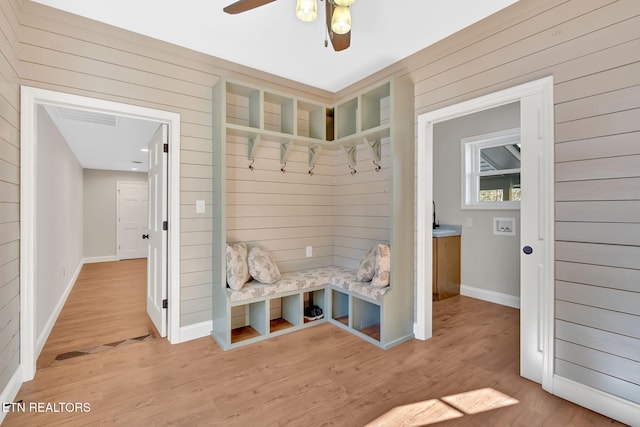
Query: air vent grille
[(86, 116)]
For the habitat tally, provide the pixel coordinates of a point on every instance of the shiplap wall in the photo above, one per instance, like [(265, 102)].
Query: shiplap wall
[(9, 193), (363, 200), (63, 52), (592, 49)]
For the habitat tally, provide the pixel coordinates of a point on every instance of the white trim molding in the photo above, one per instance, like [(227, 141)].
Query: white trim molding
[(490, 296), (95, 259), (604, 403), (11, 390), (195, 331), (31, 98)]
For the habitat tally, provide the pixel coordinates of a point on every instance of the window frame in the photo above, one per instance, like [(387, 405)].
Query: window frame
[(471, 173)]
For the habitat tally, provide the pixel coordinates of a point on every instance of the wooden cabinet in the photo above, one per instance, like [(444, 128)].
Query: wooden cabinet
[(446, 267)]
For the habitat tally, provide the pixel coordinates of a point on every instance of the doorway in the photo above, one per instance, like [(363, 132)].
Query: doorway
[(536, 277), (33, 100)]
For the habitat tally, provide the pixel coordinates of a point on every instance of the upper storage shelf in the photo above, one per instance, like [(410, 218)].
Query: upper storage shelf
[(253, 112), (261, 114)]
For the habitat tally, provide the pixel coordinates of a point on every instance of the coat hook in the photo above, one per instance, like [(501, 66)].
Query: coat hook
[(311, 170), (251, 164), (378, 166), (282, 169), (353, 170)]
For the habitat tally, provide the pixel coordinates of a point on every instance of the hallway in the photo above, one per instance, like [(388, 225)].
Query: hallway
[(106, 306)]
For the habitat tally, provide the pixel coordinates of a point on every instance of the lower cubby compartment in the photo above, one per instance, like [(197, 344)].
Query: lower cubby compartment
[(284, 313), (311, 299), (366, 318), (340, 307), (248, 321)]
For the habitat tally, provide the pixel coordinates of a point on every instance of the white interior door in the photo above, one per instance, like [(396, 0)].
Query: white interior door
[(532, 237), (133, 219), (157, 263)]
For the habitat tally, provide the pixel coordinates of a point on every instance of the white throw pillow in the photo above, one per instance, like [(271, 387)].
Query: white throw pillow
[(262, 267), (237, 267), (367, 266), (382, 275)]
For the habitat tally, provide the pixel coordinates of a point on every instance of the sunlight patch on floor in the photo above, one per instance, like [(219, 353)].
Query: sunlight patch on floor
[(476, 401), (449, 407), (417, 414)]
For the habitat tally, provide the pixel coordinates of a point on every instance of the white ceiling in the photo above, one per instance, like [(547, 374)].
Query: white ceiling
[(105, 141), (272, 39)]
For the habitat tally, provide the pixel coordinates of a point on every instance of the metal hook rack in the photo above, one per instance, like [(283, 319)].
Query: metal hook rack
[(310, 172), (251, 165), (377, 166), (353, 170), (282, 167)]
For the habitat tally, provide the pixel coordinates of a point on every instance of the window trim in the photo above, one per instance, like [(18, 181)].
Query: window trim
[(470, 182)]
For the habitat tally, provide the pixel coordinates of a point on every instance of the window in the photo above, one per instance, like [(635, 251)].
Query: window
[(491, 167)]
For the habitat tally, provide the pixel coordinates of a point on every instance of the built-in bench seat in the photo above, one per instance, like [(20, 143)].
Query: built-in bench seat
[(340, 277)]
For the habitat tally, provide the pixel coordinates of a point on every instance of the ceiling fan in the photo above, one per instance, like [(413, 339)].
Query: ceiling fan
[(338, 16)]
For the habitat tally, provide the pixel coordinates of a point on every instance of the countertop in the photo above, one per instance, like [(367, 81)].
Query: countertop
[(447, 230)]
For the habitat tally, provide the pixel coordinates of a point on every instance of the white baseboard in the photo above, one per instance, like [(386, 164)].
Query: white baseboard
[(11, 390), (491, 296), (197, 330), (91, 260), (42, 339), (604, 403)]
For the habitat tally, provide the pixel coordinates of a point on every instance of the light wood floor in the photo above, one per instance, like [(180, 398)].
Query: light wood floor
[(108, 303), (318, 376)]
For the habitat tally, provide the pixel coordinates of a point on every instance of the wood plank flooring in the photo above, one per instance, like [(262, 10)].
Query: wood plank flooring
[(466, 375), (108, 304)]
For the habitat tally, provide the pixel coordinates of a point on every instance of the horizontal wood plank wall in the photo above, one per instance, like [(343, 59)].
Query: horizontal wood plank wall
[(591, 49), (282, 212), (9, 193), (67, 53)]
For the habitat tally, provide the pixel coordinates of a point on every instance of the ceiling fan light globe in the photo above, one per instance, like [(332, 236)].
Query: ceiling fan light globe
[(346, 3), (307, 10), (341, 20)]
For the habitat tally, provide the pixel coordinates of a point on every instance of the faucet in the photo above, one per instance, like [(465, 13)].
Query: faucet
[(435, 224)]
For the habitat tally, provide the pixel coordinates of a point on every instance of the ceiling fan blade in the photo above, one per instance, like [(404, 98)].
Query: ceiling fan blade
[(338, 41), (244, 5)]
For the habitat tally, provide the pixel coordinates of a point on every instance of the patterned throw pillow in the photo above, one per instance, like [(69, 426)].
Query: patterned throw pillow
[(237, 268), (262, 267), (367, 266), (382, 275)]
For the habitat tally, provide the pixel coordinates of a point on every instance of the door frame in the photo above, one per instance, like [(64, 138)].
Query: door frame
[(426, 121), (31, 98), (118, 234)]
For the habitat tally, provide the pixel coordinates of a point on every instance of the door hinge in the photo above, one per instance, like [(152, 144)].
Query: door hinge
[(165, 303), (165, 148), (165, 225)]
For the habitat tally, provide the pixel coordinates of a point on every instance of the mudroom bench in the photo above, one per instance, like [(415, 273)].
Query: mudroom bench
[(259, 311)]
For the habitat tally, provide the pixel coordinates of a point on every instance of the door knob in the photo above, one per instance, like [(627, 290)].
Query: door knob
[(145, 236), (528, 250)]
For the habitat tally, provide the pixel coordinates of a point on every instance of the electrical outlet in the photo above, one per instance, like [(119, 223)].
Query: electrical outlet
[(468, 223), (200, 206), (309, 251)]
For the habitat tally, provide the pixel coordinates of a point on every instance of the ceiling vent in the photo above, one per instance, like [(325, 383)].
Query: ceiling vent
[(86, 116)]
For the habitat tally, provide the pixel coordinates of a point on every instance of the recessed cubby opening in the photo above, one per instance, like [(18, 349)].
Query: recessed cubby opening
[(278, 113), (340, 307), (347, 118), (311, 120), (366, 318), (284, 313), (243, 105), (248, 321), (375, 107), (310, 299)]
